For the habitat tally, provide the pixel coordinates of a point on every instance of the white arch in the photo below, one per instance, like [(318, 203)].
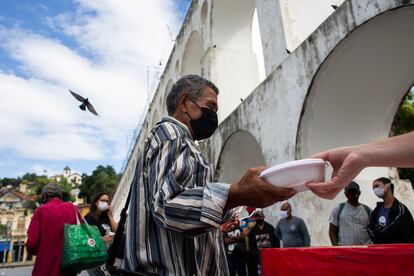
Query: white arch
[(193, 54), (240, 152), (356, 92), (235, 65), (167, 91)]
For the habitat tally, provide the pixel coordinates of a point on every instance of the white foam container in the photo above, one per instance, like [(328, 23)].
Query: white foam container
[(296, 174)]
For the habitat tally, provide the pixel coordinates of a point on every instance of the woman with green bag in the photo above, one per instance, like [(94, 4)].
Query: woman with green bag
[(45, 233)]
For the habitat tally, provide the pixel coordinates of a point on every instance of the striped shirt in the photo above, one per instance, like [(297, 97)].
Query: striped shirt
[(175, 209)]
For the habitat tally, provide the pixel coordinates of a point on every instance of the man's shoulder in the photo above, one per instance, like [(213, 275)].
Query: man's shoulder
[(167, 130), (298, 219), (269, 226), (335, 209)]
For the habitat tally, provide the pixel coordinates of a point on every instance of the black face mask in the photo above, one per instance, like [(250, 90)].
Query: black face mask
[(204, 126), (259, 221)]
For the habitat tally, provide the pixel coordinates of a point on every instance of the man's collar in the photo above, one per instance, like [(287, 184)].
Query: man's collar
[(177, 122)]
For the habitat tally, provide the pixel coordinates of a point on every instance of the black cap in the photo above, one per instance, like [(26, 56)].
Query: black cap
[(352, 185)]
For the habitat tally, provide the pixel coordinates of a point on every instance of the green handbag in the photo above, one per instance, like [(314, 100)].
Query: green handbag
[(83, 247)]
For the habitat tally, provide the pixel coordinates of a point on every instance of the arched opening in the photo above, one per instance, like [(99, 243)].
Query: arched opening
[(167, 91), (235, 65), (155, 118), (404, 123), (193, 54), (233, 162), (357, 91), (204, 12)]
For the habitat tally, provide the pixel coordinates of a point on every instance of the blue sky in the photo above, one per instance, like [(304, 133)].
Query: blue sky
[(98, 48)]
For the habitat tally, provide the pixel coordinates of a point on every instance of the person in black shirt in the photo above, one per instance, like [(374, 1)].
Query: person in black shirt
[(235, 245), (261, 236), (391, 221), (100, 215)]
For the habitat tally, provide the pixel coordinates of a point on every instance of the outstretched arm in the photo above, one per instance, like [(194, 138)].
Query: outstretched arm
[(348, 162)]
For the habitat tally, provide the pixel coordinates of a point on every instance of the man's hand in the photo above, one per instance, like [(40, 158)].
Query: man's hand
[(252, 190)]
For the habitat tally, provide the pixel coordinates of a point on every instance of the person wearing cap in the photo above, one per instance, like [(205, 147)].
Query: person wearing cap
[(261, 236), (349, 220), (45, 233), (391, 221), (291, 229)]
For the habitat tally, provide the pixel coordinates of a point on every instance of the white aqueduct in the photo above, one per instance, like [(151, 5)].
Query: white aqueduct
[(342, 82)]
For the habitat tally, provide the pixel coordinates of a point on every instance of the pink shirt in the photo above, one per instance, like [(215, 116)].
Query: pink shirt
[(45, 235)]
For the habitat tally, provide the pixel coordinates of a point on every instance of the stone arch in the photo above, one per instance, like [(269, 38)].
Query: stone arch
[(240, 152), (193, 55), (235, 68), (155, 117), (167, 91), (356, 92)]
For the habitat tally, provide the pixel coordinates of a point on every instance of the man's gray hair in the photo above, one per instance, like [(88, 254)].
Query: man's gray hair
[(193, 85)]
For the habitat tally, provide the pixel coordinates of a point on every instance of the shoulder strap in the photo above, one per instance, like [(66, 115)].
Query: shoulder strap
[(367, 209), (341, 208), (113, 249)]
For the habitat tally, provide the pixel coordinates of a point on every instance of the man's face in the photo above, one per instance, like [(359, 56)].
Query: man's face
[(286, 207), (352, 194), (208, 100), (379, 184)]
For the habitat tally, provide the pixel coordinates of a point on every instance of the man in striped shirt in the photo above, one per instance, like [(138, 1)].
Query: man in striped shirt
[(175, 209)]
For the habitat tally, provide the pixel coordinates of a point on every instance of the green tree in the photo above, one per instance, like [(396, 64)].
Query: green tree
[(403, 123), (102, 179), (10, 181), (66, 190), (3, 231)]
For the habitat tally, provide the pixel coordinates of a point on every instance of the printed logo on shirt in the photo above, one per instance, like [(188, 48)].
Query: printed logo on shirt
[(293, 227), (91, 242), (263, 241), (382, 221)]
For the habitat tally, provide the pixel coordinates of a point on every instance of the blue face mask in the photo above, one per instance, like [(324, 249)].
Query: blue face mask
[(205, 125)]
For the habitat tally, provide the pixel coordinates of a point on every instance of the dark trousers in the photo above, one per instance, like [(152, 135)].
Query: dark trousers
[(237, 263), (253, 262)]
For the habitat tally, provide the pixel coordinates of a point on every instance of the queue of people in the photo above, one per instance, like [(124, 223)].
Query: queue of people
[(350, 223), (176, 210), (45, 233)]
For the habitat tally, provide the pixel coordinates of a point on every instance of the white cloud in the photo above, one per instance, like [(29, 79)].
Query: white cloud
[(116, 40)]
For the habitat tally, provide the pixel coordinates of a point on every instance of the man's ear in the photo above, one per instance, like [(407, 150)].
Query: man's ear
[(182, 102)]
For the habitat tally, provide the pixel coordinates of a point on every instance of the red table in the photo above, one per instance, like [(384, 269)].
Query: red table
[(393, 259)]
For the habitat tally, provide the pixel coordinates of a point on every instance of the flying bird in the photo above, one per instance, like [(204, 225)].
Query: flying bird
[(334, 7), (287, 51), (85, 103)]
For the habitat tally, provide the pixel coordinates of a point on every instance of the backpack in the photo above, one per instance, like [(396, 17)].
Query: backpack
[(342, 206)]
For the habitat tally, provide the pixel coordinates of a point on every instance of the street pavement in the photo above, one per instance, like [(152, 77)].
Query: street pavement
[(24, 271), (16, 271)]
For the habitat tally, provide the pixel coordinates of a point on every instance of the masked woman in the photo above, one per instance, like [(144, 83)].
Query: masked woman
[(100, 215)]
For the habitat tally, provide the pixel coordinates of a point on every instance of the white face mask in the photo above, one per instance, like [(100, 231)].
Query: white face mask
[(283, 214), (103, 206), (379, 192)]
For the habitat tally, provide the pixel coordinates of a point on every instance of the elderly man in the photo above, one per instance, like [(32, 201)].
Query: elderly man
[(176, 210)]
